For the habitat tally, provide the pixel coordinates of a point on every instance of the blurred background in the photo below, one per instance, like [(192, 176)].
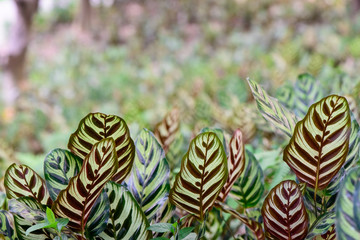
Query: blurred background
[(61, 59)]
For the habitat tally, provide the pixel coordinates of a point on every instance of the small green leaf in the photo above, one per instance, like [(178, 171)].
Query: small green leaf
[(61, 222), (36, 227), (50, 215), (161, 227), (184, 232)]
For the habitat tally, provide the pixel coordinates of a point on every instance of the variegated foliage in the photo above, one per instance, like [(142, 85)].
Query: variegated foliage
[(166, 130), (249, 187), (320, 143), (127, 220), (354, 145), (7, 226), (202, 175), (273, 111), (321, 226), (22, 181), (75, 202), (284, 213), (97, 126), (149, 181)]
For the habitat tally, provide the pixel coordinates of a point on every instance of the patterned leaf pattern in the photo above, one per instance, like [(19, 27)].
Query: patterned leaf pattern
[(149, 181), (202, 175), (220, 134), (354, 145), (7, 227), (127, 220), (166, 130), (322, 225), (320, 142), (22, 181), (59, 166), (284, 213), (75, 202), (347, 207), (329, 235), (272, 110), (249, 187), (97, 126), (236, 163)]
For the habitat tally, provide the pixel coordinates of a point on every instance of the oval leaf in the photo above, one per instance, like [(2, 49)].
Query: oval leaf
[(347, 207), (127, 220), (76, 201), (59, 166), (202, 175), (97, 126), (149, 181), (320, 142), (284, 213), (166, 130), (22, 181), (236, 163)]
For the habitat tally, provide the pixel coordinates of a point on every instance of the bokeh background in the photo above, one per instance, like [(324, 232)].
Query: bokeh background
[(61, 59)]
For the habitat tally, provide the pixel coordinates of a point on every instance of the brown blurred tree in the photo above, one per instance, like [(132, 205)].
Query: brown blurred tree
[(13, 58)]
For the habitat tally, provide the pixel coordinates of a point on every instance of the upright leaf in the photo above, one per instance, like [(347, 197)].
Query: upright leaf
[(22, 181), (149, 181), (59, 166), (354, 145), (320, 142), (220, 134), (284, 213), (272, 110), (321, 226), (236, 163), (286, 96), (98, 126), (7, 226), (127, 220), (166, 130), (347, 207), (202, 175), (249, 187), (75, 202)]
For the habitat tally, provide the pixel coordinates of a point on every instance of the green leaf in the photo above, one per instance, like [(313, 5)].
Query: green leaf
[(176, 151), (286, 96), (165, 212), (98, 126), (272, 110), (7, 227), (347, 207), (249, 187), (22, 181), (202, 175), (161, 227), (149, 181), (127, 220), (61, 223), (59, 166), (284, 213), (75, 202), (184, 232), (320, 143), (220, 134), (36, 227), (50, 215), (322, 224), (166, 130), (354, 145)]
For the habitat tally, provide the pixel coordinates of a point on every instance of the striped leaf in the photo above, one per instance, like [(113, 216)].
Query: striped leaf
[(354, 145), (166, 130), (22, 181), (347, 207), (284, 213), (127, 220), (249, 187), (220, 134), (97, 126), (320, 142), (273, 111), (164, 213), (286, 96), (7, 226), (329, 235), (307, 91), (59, 166), (236, 163), (75, 202), (149, 181), (321, 226), (176, 151), (202, 175)]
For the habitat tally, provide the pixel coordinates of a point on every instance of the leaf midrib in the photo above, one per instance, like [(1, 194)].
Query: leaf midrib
[(202, 178)]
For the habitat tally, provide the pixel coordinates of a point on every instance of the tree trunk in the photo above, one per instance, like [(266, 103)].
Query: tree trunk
[(14, 56), (85, 16)]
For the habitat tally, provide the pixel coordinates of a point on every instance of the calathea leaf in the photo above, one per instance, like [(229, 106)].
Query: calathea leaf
[(321, 226), (220, 134), (320, 143), (284, 213), (286, 96), (7, 226), (354, 145), (249, 187), (149, 181), (75, 202), (236, 163), (166, 130), (202, 175), (347, 207), (127, 220), (98, 126), (59, 166), (272, 110), (22, 181)]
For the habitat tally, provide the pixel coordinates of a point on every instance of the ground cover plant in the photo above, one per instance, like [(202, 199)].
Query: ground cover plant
[(109, 186)]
